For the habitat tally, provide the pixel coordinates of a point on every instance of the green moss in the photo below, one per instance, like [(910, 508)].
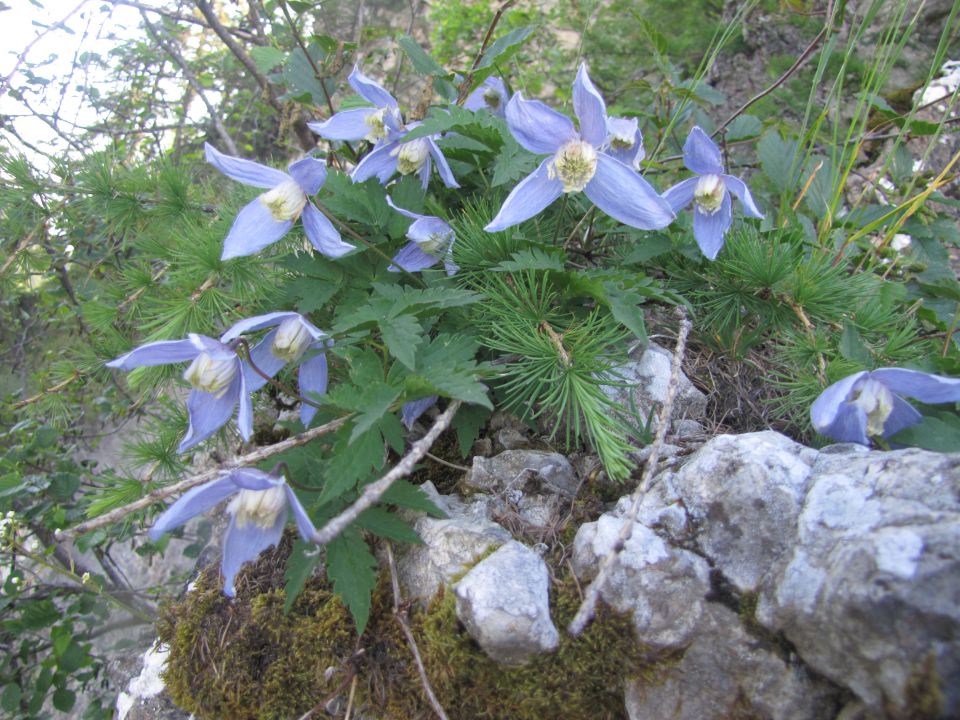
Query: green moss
[(247, 660)]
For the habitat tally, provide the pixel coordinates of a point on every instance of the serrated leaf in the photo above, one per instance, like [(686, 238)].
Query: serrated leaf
[(745, 126), (422, 62), (452, 117), (267, 58), (303, 559), (505, 46), (648, 248), (402, 335), (351, 567), (384, 523), (513, 162), (407, 495), (350, 463), (625, 307), (532, 259), (375, 402), (467, 423), (776, 158)]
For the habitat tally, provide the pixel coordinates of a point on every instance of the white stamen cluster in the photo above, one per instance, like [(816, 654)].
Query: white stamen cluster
[(708, 194), (492, 98), (291, 340), (574, 164), (436, 242), (876, 400), (378, 128), (211, 375), (412, 155), (285, 201), (259, 507)]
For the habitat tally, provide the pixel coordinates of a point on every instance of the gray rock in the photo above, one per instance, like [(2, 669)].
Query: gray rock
[(662, 586), (144, 697), (503, 602), (512, 469), (726, 672), (512, 439)]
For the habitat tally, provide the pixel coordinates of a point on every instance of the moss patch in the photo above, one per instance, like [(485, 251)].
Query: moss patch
[(247, 660)]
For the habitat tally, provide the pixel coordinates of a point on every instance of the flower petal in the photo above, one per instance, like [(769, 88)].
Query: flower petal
[(423, 173), (313, 380), (849, 425), (244, 409), (309, 173), (536, 127), (902, 416), (443, 169), (681, 194), (429, 229), (253, 479), (825, 408), (622, 128), (195, 501), (709, 228), (415, 408), (304, 525), (253, 230), (268, 363), (242, 544), (626, 196), (701, 154), (530, 196), (344, 125), (923, 386), (247, 172), (369, 90), (411, 258), (257, 322), (208, 413), (162, 352), (406, 213), (739, 188), (590, 108), (322, 234), (477, 100), (380, 162)]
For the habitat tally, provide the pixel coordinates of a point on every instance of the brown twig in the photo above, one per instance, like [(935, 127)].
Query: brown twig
[(557, 341), (464, 90), (587, 609), (74, 376)]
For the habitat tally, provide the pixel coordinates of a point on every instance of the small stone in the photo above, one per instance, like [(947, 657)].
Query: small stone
[(512, 439), (513, 468)]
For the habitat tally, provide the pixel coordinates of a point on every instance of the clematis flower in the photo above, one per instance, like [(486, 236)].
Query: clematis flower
[(490, 95), (710, 192), (270, 216), (292, 336), (430, 240), (217, 378), (258, 514), (407, 157), (868, 404), (579, 161), (374, 124), (415, 408), (625, 141)]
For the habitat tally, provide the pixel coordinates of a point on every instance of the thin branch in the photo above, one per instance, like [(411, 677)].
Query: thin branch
[(464, 90), (252, 458), (177, 18), (376, 490), (588, 607), (306, 53)]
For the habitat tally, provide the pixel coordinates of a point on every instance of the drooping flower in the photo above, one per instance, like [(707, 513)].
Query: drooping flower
[(490, 95), (292, 336), (868, 404), (258, 514), (625, 141), (374, 124), (407, 157), (415, 408), (216, 376), (579, 161), (710, 192), (270, 216), (431, 239)]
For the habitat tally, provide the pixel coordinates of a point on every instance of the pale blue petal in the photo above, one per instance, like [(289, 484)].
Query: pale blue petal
[(443, 169), (626, 196), (195, 501), (590, 109), (533, 194), (415, 408), (411, 258), (253, 230), (253, 479), (739, 188), (709, 228), (244, 409), (208, 412), (162, 352), (825, 408), (701, 154), (428, 228), (423, 173), (625, 127), (313, 379), (322, 234), (247, 172), (243, 544), (310, 174), (406, 213), (537, 127), (477, 100), (263, 357), (378, 162), (681, 194), (448, 264), (306, 528), (902, 416), (369, 90), (214, 348), (923, 386), (257, 322), (344, 125), (849, 425)]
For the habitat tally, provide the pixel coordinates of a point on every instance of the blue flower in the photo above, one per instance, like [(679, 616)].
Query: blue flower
[(868, 404), (271, 215), (415, 408), (217, 378), (430, 239), (375, 124), (490, 95), (293, 336), (625, 141), (578, 161), (258, 513), (407, 157), (710, 193)]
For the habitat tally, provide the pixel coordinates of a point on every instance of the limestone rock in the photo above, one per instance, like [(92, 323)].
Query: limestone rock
[(503, 602), (512, 469)]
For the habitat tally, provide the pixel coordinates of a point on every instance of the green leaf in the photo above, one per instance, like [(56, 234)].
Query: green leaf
[(467, 422), (648, 248), (351, 567), (745, 126), (73, 658), (939, 433), (374, 404), (64, 699), (303, 558), (384, 523), (625, 307), (505, 46), (452, 117), (446, 367), (851, 345), (531, 259), (402, 335), (299, 75), (776, 157), (267, 58), (405, 494), (422, 62), (513, 162), (351, 462), (10, 700), (39, 614)]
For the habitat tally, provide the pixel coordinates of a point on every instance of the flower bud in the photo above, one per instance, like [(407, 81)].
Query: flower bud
[(709, 193), (259, 507), (211, 375), (285, 201), (291, 339)]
